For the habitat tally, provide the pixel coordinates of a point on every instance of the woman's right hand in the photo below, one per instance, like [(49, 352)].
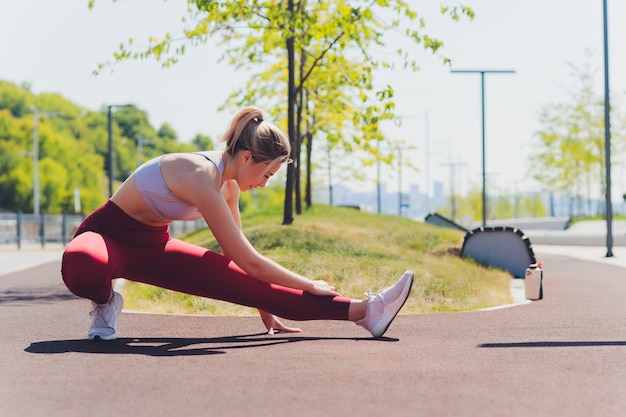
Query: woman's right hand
[(322, 288)]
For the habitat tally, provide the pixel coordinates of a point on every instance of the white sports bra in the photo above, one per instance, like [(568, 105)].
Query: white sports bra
[(152, 188)]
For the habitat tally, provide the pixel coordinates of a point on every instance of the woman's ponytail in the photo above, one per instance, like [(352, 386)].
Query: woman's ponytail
[(248, 131)]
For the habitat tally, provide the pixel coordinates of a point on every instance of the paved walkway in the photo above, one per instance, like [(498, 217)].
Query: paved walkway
[(561, 356), (12, 260)]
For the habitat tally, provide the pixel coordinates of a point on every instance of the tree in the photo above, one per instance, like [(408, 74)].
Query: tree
[(303, 41), (570, 152), (72, 149), (14, 98), (202, 142)]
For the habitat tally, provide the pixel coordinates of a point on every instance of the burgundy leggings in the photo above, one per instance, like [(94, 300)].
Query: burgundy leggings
[(110, 244)]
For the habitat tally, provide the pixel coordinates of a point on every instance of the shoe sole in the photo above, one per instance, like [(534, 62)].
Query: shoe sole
[(97, 337), (397, 311)]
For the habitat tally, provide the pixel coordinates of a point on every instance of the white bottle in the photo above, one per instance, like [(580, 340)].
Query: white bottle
[(533, 282)]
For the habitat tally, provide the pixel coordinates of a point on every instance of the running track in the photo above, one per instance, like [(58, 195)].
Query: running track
[(562, 356)]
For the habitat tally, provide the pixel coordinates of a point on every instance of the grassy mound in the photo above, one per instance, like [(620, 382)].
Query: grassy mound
[(356, 252)]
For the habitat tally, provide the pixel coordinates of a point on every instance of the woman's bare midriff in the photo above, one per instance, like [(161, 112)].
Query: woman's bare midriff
[(127, 198)]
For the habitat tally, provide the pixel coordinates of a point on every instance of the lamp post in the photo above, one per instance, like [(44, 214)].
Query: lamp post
[(484, 167), (427, 154), (425, 118), (453, 167), (35, 161), (140, 142), (378, 176), (400, 149), (111, 165), (399, 181), (330, 178), (378, 182), (36, 114), (607, 136)]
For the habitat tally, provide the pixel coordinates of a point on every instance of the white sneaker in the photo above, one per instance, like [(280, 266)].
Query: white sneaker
[(104, 318), (383, 306)]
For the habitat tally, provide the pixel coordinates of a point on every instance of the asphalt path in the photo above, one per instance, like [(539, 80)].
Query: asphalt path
[(562, 356)]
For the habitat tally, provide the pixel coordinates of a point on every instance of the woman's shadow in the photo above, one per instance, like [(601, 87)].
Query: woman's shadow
[(174, 346)]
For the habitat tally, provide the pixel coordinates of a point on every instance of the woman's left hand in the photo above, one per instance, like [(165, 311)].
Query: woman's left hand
[(272, 324)]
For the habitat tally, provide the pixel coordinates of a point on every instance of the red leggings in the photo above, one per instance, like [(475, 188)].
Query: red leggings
[(110, 244)]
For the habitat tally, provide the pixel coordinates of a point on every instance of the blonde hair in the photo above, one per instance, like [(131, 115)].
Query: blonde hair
[(248, 131)]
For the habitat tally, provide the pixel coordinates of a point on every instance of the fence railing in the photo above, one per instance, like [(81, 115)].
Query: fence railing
[(23, 229)]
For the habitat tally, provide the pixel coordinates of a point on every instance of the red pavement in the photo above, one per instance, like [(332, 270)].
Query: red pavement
[(562, 356)]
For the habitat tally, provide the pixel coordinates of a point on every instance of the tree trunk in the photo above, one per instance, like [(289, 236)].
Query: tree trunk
[(300, 109), (309, 143), (298, 153), (291, 127)]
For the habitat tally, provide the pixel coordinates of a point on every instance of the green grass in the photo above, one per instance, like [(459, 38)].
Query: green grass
[(355, 252)]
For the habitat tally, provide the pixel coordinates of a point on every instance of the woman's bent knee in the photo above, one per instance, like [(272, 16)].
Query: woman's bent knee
[(86, 267)]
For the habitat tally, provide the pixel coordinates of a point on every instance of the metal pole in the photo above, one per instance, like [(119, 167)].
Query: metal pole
[(139, 153), (453, 166), (140, 142), (35, 162), (378, 177), (607, 138), (36, 193), (400, 182), (484, 164), (111, 153), (330, 178), (452, 192), (482, 109), (427, 151), (42, 229), (110, 150), (19, 229), (64, 228)]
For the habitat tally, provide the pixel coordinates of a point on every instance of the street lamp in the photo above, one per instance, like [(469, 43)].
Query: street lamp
[(140, 142), (482, 84), (399, 181), (36, 114), (111, 165), (378, 176), (378, 182), (607, 137), (400, 204), (330, 177), (453, 167), (425, 118), (427, 153)]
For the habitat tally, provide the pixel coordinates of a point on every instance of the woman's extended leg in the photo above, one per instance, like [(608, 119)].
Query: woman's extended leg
[(194, 270), (92, 261), (187, 268)]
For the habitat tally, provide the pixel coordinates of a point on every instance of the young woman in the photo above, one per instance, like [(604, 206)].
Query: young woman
[(129, 237)]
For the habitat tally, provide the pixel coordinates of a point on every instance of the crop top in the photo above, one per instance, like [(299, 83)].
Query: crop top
[(152, 188)]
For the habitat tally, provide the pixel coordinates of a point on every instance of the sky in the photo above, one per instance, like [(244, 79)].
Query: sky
[(55, 45)]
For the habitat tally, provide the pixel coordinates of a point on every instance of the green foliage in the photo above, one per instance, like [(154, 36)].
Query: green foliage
[(73, 147), (327, 47), (257, 201), (202, 142), (569, 149), (16, 100)]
